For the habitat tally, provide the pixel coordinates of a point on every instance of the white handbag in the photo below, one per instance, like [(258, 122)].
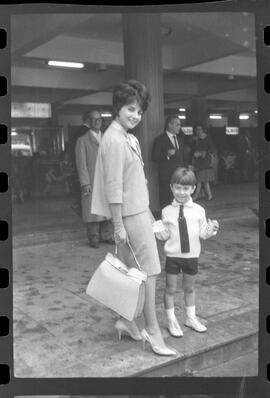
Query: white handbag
[(118, 287)]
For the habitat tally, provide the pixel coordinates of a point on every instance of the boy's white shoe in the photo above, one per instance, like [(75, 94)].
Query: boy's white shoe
[(195, 324), (174, 328)]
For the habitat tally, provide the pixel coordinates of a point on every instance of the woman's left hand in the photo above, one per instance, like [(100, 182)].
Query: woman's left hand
[(152, 218), (160, 230)]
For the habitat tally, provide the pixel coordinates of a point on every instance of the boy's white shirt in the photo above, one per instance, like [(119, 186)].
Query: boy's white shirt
[(197, 226)]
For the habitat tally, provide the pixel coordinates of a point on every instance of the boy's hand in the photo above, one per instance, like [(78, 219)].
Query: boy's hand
[(213, 225), (160, 230)]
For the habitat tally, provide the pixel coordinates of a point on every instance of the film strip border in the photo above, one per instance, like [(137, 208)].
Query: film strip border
[(9, 385), (263, 88), (5, 210)]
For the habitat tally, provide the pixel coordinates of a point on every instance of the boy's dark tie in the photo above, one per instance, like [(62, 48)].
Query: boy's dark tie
[(183, 231)]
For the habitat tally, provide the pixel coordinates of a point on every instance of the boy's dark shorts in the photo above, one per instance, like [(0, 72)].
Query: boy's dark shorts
[(174, 265)]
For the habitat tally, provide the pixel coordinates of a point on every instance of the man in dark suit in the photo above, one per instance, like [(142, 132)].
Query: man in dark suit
[(169, 152)]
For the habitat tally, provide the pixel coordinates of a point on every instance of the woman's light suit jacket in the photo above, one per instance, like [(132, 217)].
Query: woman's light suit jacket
[(119, 174)]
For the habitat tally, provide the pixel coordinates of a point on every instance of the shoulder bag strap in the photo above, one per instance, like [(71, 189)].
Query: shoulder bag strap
[(116, 251)]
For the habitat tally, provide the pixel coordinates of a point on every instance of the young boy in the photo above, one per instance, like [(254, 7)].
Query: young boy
[(183, 224)]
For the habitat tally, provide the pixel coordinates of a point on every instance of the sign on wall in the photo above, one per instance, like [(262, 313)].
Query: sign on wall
[(187, 130), (21, 143), (30, 110), (232, 130)]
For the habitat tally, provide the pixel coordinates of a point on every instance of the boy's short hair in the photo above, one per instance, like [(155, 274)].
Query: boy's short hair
[(183, 176)]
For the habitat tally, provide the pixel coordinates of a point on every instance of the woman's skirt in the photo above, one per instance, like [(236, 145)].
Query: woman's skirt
[(143, 242), (205, 175)]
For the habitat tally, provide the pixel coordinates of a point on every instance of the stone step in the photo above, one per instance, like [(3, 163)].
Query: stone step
[(210, 349), (246, 365)]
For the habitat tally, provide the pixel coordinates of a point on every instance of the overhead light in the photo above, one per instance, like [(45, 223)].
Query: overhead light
[(107, 114), (243, 117), (64, 64), (182, 109), (255, 111), (217, 117), (13, 132), (181, 116)]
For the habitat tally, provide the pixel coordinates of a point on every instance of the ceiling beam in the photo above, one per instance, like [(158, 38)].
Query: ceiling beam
[(66, 79), (207, 48), (29, 32)]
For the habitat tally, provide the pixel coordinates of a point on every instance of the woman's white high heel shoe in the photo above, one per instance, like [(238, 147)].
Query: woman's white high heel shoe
[(121, 327), (157, 350)]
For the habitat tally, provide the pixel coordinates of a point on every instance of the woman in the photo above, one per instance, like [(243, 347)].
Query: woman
[(120, 192), (202, 161)]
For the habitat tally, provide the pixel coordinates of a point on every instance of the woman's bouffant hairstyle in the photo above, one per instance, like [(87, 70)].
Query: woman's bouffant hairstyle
[(183, 176), (126, 93)]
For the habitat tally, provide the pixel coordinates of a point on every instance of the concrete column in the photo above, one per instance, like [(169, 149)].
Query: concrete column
[(143, 62), (233, 119), (198, 112)]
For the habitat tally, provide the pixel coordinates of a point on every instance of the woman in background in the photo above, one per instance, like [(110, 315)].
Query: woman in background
[(67, 171), (202, 155)]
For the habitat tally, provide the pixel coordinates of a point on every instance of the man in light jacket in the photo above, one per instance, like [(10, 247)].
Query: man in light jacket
[(98, 228)]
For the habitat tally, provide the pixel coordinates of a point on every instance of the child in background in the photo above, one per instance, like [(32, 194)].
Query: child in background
[(50, 179), (67, 171), (183, 224)]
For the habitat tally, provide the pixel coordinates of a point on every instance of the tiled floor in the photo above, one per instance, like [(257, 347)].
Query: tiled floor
[(60, 332)]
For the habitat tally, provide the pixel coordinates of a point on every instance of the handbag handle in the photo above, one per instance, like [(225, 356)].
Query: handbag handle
[(116, 251)]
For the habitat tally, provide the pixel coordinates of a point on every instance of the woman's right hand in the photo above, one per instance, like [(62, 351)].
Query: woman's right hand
[(120, 234)]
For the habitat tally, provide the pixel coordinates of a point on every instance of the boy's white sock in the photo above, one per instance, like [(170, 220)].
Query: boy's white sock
[(170, 314), (190, 311)]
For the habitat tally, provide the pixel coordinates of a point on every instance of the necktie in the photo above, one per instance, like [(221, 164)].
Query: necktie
[(184, 240), (175, 142)]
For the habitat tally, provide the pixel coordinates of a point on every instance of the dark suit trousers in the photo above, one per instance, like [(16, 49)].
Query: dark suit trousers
[(102, 230), (165, 193)]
